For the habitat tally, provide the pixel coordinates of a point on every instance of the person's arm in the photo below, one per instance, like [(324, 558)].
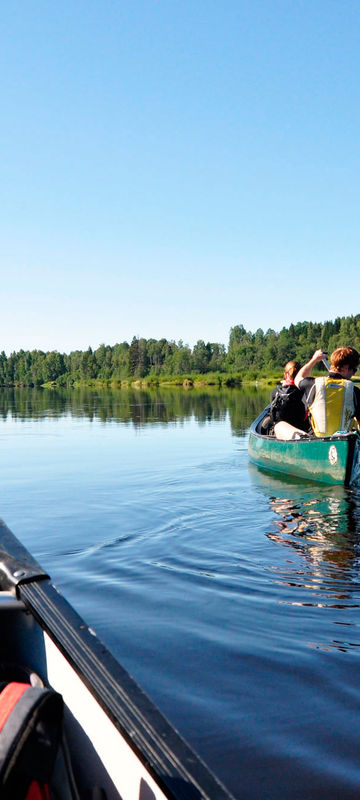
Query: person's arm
[(304, 372)]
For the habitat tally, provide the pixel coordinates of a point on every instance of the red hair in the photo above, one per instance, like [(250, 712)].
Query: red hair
[(345, 357)]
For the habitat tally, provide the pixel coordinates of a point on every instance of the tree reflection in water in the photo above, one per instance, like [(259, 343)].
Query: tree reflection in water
[(137, 406)]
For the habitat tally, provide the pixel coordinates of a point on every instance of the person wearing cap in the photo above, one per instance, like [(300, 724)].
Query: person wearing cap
[(333, 401)]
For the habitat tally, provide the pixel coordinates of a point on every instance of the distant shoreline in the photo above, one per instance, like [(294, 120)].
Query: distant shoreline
[(187, 382)]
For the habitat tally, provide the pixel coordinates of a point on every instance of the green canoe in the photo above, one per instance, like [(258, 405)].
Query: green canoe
[(331, 459)]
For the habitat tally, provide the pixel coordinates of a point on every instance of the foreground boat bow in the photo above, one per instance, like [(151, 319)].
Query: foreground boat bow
[(119, 743), (330, 459)]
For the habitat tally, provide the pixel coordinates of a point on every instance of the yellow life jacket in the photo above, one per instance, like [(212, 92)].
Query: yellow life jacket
[(333, 406)]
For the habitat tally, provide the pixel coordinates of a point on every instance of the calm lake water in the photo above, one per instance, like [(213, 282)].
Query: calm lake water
[(231, 596)]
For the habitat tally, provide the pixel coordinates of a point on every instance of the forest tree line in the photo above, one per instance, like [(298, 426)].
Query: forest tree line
[(248, 356)]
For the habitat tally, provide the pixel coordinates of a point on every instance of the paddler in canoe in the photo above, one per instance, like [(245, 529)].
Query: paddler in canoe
[(331, 452), (329, 403), (333, 401), (287, 416)]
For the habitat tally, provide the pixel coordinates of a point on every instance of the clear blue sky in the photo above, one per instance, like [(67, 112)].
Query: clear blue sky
[(174, 167)]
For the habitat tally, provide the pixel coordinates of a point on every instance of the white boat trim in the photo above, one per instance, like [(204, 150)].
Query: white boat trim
[(120, 762)]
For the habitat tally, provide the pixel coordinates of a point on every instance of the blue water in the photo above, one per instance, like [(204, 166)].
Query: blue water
[(230, 595)]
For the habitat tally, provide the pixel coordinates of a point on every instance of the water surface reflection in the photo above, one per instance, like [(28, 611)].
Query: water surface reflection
[(233, 600), (319, 526), (138, 407)]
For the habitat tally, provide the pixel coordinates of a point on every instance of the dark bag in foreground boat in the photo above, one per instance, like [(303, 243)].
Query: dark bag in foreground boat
[(30, 730)]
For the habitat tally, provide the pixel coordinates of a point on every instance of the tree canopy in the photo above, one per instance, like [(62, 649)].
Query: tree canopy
[(249, 355)]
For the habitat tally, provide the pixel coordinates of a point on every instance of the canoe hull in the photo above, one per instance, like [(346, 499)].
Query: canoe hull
[(329, 460)]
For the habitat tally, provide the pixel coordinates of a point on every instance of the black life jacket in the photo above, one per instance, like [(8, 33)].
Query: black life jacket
[(287, 406)]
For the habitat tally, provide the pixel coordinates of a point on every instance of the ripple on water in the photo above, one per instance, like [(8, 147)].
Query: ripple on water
[(230, 595)]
